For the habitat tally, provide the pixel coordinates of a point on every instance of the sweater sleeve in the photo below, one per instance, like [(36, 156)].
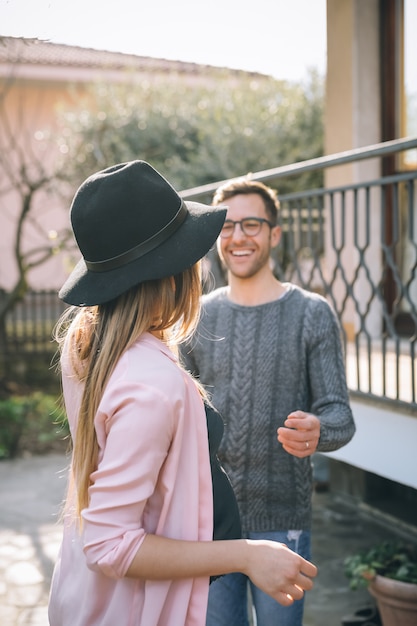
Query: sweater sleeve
[(327, 377)]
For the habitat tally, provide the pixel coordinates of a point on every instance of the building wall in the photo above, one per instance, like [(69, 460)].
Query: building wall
[(352, 80), (353, 121), (383, 445), (383, 436), (27, 127), (33, 86)]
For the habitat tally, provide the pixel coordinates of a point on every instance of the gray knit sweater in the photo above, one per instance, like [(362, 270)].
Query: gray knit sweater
[(260, 363)]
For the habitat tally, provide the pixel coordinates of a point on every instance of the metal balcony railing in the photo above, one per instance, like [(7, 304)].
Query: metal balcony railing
[(357, 245)]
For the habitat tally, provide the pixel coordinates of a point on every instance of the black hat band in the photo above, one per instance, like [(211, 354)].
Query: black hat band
[(142, 248)]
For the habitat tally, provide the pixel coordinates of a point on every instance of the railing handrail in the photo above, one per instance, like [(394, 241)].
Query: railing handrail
[(340, 158)]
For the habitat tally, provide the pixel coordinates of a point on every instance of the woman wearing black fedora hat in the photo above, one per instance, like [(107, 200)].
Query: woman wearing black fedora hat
[(137, 544)]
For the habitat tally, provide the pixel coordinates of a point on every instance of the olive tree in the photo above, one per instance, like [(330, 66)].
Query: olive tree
[(198, 134)]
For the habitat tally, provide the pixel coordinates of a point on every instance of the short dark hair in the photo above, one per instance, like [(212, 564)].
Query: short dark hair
[(246, 186)]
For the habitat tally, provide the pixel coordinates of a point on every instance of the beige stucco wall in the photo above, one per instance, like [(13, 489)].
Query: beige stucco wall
[(352, 81), (27, 129), (353, 121)]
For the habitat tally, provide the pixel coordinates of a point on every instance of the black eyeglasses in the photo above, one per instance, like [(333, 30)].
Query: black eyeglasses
[(250, 226)]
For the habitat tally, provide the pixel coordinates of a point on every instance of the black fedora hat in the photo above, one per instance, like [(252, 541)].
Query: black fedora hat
[(131, 226)]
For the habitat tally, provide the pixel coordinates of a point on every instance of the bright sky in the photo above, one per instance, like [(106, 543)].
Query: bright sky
[(283, 38)]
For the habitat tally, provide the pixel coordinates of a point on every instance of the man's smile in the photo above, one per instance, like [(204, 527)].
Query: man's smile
[(240, 252)]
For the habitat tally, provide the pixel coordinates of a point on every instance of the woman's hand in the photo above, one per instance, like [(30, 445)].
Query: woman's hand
[(278, 571)]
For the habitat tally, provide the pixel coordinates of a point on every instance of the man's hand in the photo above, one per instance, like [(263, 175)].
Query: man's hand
[(300, 434)]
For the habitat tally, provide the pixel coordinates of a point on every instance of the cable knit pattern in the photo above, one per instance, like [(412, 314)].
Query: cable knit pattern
[(259, 364)]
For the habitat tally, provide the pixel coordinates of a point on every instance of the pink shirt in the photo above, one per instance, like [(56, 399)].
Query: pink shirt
[(153, 476)]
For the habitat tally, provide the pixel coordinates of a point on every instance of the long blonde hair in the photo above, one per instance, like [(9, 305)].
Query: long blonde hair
[(97, 337)]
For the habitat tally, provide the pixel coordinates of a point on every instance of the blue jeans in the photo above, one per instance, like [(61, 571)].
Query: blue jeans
[(228, 596)]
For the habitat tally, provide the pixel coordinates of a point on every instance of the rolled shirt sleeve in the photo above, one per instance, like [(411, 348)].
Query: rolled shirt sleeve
[(132, 491)]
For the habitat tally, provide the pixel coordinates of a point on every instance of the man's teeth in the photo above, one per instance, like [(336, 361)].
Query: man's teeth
[(241, 252)]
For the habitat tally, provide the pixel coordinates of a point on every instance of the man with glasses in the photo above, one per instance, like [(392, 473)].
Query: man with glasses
[(270, 355)]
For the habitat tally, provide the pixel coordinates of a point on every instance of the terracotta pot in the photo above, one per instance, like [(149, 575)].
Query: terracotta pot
[(397, 601)]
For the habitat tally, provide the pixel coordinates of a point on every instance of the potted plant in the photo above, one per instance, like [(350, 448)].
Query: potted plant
[(389, 570)]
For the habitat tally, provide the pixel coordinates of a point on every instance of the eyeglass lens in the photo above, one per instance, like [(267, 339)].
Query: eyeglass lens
[(249, 225)]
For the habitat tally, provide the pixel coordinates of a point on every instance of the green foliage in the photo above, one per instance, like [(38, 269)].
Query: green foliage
[(197, 133), (396, 560), (34, 423)]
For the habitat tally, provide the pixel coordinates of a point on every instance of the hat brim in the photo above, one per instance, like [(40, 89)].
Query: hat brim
[(191, 242)]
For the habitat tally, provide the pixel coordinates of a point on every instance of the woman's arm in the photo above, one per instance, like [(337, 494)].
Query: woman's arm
[(271, 566)]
